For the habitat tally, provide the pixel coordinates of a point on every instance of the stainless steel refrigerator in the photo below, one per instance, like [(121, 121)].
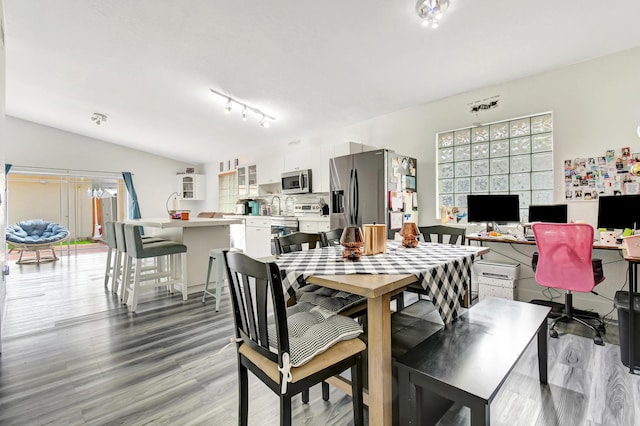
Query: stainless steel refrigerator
[(362, 185)]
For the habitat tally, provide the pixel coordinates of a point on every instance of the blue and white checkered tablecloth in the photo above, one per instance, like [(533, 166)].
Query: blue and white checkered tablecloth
[(442, 269)]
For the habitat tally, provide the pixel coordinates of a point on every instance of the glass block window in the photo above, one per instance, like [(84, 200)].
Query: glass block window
[(507, 157), (227, 192)]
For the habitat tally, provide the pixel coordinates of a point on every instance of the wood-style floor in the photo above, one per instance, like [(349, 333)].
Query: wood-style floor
[(72, 355)]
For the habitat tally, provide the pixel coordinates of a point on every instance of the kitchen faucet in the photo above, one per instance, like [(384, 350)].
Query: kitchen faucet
[(279, 209)]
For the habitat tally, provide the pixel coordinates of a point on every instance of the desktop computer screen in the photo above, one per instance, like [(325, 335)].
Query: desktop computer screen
[(493, 208), (554, 213), (619, 211)]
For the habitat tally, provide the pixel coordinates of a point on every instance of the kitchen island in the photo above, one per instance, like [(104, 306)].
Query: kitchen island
[(199, 235)]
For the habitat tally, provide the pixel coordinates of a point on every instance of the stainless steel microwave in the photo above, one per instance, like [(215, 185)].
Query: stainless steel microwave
[(298, 182)]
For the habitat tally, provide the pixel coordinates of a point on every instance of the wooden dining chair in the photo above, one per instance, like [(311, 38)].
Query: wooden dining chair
[(289, 353)]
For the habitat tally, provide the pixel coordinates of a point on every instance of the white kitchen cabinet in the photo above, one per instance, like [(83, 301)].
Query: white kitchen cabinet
[(313, 225), (270, 169), (247, 181), (191, 186), (258, 236)]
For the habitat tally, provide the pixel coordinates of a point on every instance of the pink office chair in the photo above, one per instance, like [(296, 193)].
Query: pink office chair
[(564, 261)]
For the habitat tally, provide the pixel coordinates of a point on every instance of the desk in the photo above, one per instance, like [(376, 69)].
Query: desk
[(633, 288), (372, 277), (633, 276), (199, 235), (481, 240)]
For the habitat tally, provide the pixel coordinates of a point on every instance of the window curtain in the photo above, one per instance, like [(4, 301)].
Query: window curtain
[(135, 208), (7, 167)]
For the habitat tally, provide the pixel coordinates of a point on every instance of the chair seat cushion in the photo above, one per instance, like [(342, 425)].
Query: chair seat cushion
[(314, 331), (334, 354), (35, 231), (327, 298), (162, 248)]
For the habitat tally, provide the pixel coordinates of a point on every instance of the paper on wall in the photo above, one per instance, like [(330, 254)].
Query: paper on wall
[(395, 220)]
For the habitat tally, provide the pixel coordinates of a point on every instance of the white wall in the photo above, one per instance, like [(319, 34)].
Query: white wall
[(33, 145), (596, 106)]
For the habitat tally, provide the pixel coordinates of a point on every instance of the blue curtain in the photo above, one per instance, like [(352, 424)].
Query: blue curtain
[(135, 208), (7, 167)]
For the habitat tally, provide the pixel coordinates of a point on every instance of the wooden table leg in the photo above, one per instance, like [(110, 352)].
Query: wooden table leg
[(380, 373)]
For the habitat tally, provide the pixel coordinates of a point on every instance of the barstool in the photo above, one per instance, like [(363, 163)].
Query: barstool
[(139, 251), (216, 254), (112, 254), (120, 280)]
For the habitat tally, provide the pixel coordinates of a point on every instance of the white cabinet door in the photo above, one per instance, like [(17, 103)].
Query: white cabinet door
[(269, 169), (247, 181), (191, 186), (258, 237), (308, 226)]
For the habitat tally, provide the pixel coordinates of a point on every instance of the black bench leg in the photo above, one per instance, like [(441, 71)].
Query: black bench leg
[(480, 415), (542, 352), (406, 399)]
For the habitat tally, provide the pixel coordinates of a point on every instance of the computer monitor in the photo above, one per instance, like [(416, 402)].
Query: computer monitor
[(619, 211), (492, 209), (554, 213)]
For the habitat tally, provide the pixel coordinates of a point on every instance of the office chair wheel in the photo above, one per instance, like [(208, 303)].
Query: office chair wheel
[(553, 333), (598, 341)]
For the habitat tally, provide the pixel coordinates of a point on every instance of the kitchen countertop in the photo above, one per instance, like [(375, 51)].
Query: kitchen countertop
[(164, 223)]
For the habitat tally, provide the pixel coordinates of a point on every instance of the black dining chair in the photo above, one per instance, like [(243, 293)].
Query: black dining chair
[(331, 238), (296, 241), (441, 234), (270, 343)]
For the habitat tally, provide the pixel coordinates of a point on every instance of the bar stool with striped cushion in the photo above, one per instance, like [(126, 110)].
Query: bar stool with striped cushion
[(165, 274)]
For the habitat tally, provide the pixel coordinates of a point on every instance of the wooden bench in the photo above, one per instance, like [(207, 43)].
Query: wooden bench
[(468, 360)]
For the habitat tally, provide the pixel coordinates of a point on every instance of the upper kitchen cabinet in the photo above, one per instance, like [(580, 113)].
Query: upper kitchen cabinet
[(191, 186), (271, 167), (304, 156), (247, 181)]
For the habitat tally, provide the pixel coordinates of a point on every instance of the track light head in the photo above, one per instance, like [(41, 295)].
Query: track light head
[(228, 106), (244, 113), (264, 123)]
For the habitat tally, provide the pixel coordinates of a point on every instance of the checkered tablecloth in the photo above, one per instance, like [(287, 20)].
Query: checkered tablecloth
[(442, 269)]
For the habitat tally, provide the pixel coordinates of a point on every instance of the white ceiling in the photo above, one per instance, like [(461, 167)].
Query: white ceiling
[(149, 64)]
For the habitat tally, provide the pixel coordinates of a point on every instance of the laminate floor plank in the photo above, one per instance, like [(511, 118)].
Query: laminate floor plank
[(74, 355)]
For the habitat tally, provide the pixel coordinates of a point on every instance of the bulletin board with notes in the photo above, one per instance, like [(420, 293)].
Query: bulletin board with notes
[(402, 191), (615, 173)]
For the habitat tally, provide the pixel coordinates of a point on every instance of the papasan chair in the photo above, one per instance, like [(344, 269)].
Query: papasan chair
[(35, 235)]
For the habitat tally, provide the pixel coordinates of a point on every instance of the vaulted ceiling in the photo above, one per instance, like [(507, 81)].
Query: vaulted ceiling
[(149, 64)]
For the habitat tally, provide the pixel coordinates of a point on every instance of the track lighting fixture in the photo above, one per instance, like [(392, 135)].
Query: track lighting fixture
[(265, 120), (98, 118)]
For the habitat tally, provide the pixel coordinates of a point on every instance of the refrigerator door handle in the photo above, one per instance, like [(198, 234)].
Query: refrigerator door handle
[(352, 221), (356, 197)]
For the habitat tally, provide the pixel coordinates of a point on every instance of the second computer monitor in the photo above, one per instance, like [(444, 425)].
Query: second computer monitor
[(619, 211), (554, 213)]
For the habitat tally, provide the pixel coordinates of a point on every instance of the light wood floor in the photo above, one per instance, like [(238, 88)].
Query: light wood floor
[(72, 355)]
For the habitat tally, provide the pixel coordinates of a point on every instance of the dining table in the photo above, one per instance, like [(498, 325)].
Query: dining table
[(444, 270)]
